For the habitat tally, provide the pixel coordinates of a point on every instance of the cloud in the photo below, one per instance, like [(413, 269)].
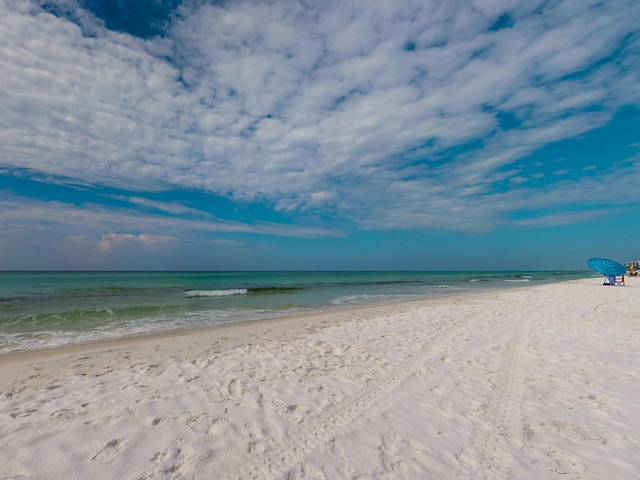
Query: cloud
[(37, 234), (110, 240), (21, 217), (569, 218), (388, 115), (166, 207)]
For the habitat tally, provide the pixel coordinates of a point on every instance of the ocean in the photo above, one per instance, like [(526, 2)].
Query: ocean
[(47, 309)]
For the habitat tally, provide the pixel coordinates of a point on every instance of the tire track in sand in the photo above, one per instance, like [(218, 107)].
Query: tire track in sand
[(490, 453), (315, 432)]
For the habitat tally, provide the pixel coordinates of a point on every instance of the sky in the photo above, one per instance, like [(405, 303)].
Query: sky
[(326, 135)]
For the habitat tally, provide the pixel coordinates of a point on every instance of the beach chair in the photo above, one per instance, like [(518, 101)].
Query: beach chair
[(620, 281)]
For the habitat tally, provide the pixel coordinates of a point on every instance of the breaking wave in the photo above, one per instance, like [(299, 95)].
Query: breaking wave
[(242, 291), (215, 293)]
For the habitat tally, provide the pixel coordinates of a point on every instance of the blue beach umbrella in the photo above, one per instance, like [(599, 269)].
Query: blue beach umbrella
[(606, 267)]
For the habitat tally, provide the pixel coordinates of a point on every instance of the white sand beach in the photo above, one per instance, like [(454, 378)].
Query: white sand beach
[(538, 382)]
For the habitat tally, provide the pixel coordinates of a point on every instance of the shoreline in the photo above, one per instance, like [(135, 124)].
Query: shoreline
[(117, 340), (161, 335), (70, 309), (228, 335), (522, 382)]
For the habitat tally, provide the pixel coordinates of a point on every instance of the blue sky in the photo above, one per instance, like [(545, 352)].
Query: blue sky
[(286, 134)]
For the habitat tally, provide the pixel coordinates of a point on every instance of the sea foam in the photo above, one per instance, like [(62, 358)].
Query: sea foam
[(215, 293)]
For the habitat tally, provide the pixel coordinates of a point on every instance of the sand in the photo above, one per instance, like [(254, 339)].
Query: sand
[(538, 382)]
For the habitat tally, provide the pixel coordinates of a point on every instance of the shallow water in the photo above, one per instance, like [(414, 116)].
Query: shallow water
[(43, 309)]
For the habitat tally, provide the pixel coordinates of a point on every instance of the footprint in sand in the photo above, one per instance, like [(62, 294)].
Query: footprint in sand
[(390, 449), (171, 460), (578, 432), (293, 413), (565, 464), (109, 452), (65, 414), (198, 422), (234, 388), (257, 447), (23, 413), (157, 421)]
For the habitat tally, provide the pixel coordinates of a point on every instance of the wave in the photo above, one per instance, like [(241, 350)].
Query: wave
[(243, 291), (215, 293), (274, 290)]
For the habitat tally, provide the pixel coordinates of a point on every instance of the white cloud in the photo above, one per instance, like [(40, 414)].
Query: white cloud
[(110, 240), (317, 107), (570, 217), (21, 217), (171, 208)]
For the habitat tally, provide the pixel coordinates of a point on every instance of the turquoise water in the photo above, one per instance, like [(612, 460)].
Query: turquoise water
[(45, 309)]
